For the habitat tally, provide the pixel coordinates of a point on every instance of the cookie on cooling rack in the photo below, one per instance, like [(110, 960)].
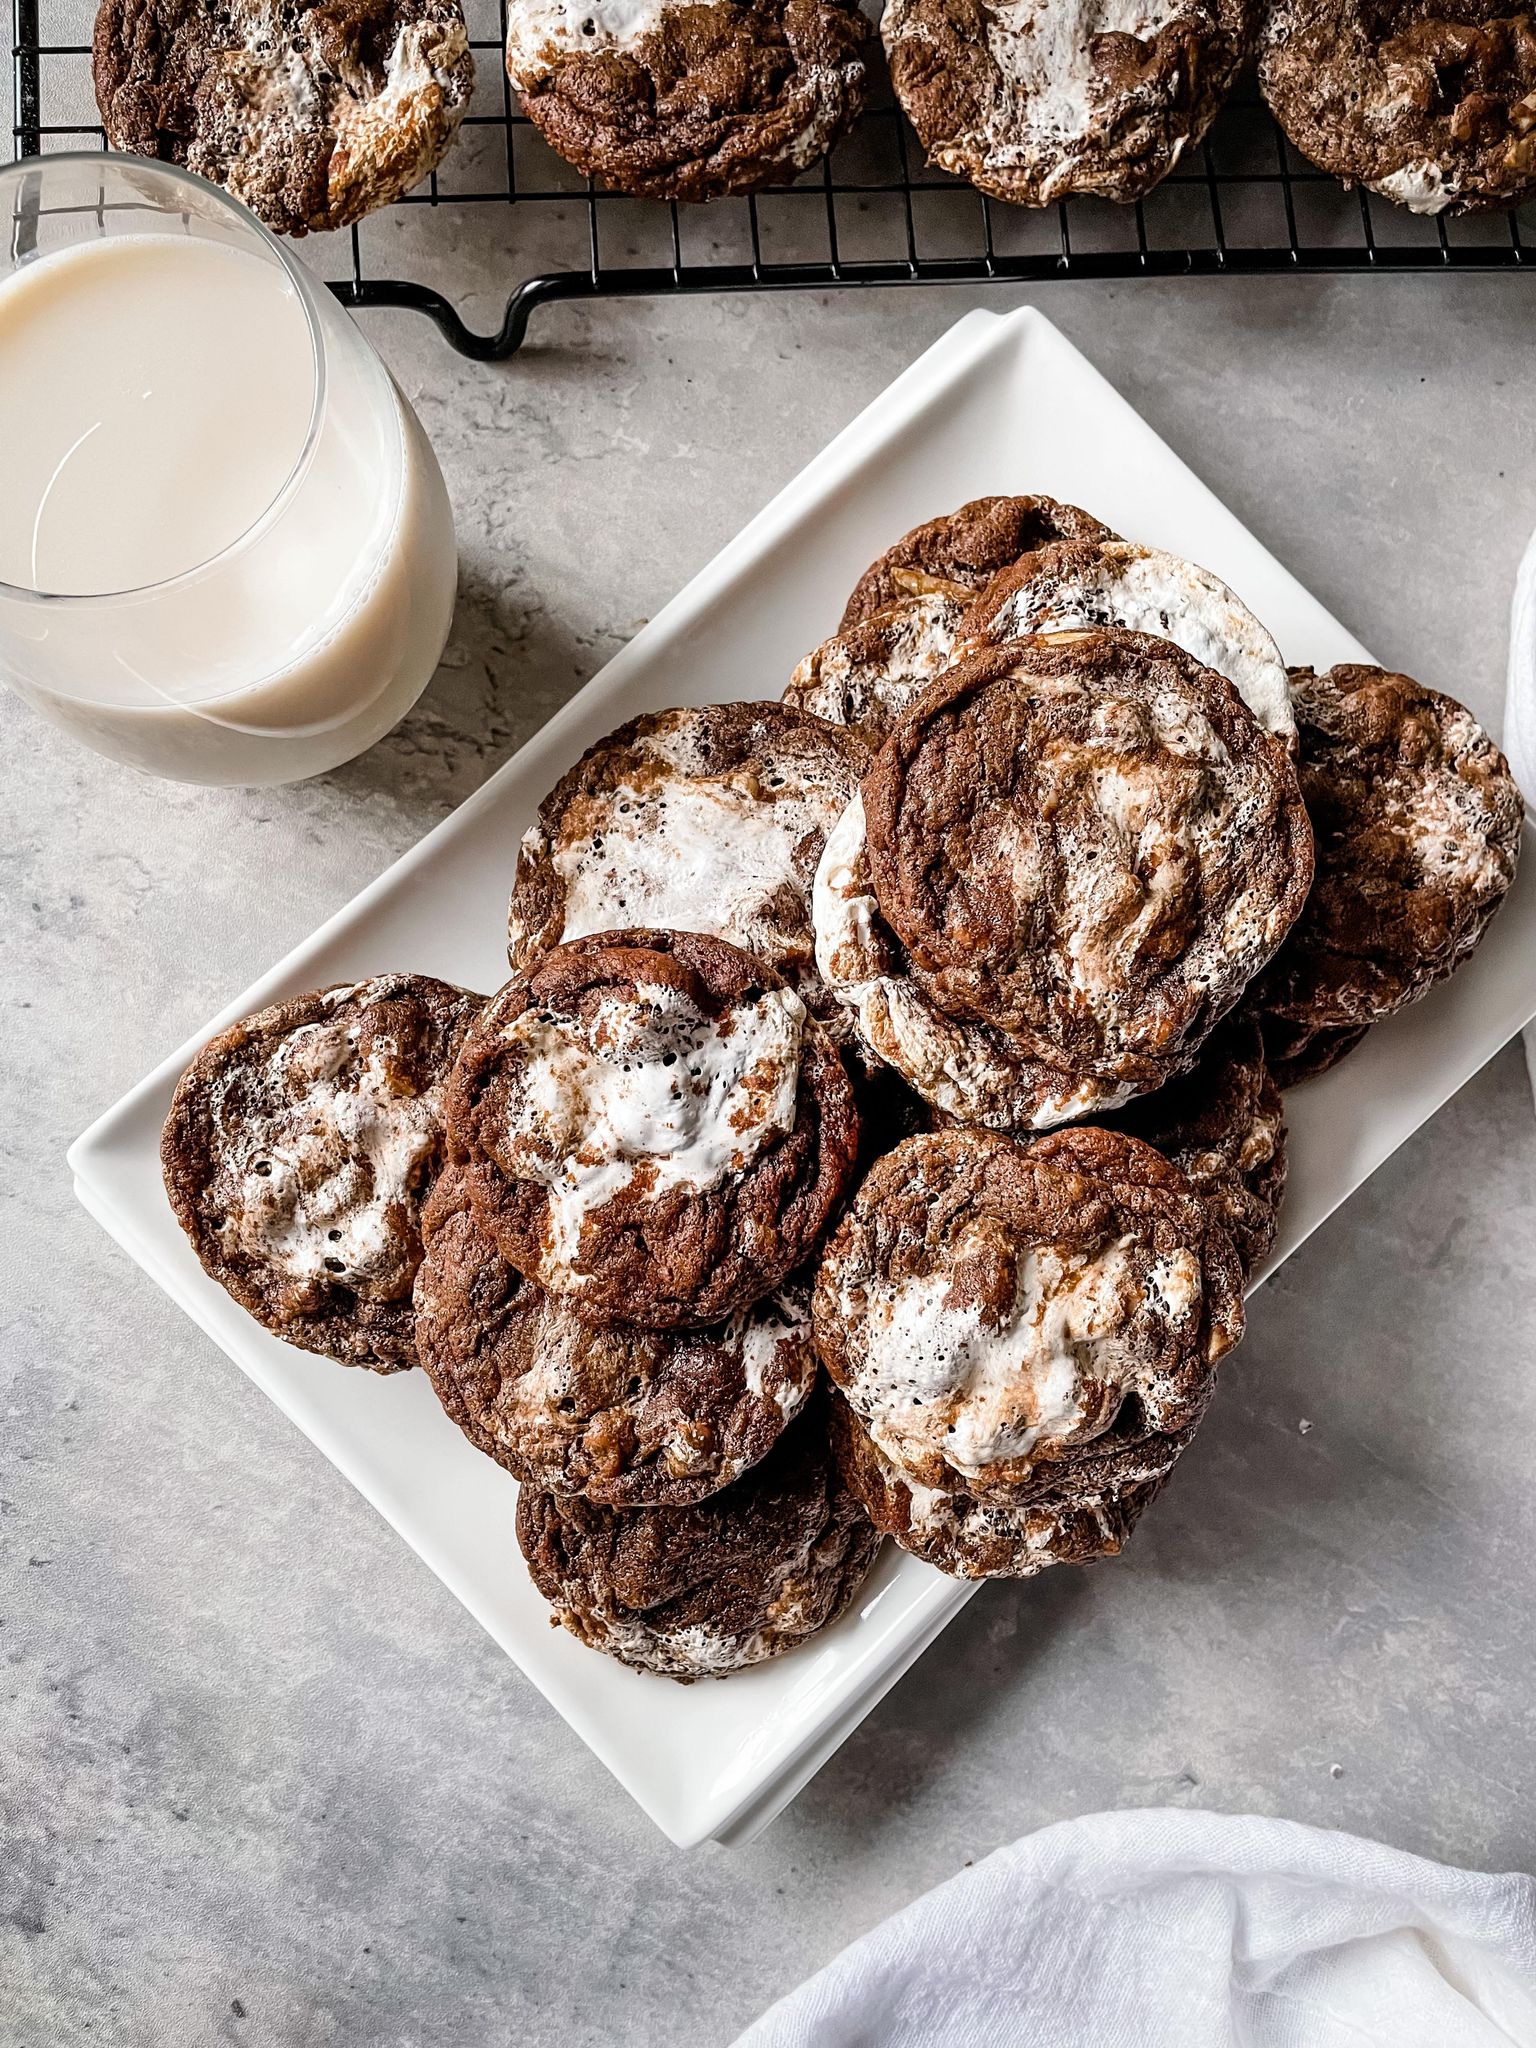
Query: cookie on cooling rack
[(958, 554), (699, 1592), (1434, 107), (997, 1311), (301, 1146), (867, 676), (1117, 583), (629, 1418), (1081, 1513), (1032, 104), (689, 99), (1223, 1125), (1065, 865), (707, 820), (1418, 822), (312, 115), (652, 1127)]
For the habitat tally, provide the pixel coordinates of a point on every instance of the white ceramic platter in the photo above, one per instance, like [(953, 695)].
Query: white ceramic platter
[(1001, 404)]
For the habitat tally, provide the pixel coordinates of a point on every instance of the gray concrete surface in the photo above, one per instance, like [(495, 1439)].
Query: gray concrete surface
[(262, 1780)]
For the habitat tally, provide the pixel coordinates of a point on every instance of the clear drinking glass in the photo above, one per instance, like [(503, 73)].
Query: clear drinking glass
[(304, 547)]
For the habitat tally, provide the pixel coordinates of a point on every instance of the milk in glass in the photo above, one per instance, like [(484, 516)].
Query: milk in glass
[(226, 552)]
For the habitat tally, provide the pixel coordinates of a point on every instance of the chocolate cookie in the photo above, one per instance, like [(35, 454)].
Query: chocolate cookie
[(1223, 1126), (959, 554), (1066, 863), (1085, 839), (1074, 1517), (300, 1148), (652, 1127), (630, 1418), (869, 675), (1117, 583), (1418, 822), (689, 99), (1431, 105), (1033, 103), (313, 115), (698, 1592), (968, 1072), (993, 1309), (706, 820)]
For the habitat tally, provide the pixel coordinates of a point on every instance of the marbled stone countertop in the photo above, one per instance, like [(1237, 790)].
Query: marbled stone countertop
[(263, 1780)]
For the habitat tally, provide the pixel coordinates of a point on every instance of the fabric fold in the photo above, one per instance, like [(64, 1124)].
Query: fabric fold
[(1196, 1930)]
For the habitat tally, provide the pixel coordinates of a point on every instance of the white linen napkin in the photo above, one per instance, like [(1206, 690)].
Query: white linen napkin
[(1166, 1928), (1520, 710)]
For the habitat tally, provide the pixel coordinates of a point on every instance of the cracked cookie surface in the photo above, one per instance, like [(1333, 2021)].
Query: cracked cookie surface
[(996, 1312), (867, 676), (707, 820), (1087, 1514), (1430, 104), (626, 1417), (689, 99), (698, 1592), (1119, 583), (312, 115), (1417, 822), (1034, 101), (300, 1149), (653, 1127), (1065, 864), (958, 554)]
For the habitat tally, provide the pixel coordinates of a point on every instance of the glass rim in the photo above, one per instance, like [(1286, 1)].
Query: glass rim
[(305, 290)]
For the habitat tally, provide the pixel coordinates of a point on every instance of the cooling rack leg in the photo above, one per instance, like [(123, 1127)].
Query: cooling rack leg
[(27, 77), (363, 295)]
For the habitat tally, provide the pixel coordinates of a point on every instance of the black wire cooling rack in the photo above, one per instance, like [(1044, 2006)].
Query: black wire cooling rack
[(503, 207)]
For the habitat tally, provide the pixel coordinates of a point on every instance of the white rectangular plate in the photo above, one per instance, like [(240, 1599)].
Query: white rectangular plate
[(1000, 404)]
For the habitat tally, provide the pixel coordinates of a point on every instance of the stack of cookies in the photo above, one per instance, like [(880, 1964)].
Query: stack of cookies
[(883, 1115)]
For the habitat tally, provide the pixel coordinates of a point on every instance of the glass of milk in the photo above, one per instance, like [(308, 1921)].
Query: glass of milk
[(226, 551)]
